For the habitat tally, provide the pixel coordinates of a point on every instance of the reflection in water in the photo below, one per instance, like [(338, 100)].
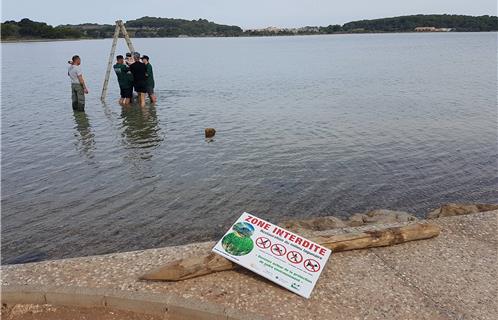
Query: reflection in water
[(85, 136), (140, 131)]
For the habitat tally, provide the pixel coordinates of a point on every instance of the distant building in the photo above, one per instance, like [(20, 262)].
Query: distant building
[(271, 29), (432, 29), (309, 29)]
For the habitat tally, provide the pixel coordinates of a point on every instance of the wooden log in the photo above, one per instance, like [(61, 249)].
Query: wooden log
[(191, 267), (379, 238), (204, 264)]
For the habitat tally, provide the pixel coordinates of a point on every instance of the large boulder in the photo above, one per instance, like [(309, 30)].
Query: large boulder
[(380, 216), (357, 219), (456, 209), (314, 224)]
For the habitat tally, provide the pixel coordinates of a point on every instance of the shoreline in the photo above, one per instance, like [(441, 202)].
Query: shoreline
[(433, 277), (243, 36), (304, 226)]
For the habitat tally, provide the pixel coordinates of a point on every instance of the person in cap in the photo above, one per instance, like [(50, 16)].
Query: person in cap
[(78, 85), (125, 80), (139, 71), (149, 82)]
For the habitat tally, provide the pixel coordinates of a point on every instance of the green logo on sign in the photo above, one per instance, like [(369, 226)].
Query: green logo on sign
[(239, 242)]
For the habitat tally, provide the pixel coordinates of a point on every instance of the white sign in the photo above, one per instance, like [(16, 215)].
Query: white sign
[(274, 253)]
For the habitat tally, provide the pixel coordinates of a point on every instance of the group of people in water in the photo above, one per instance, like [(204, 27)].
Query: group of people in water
[(134, 73)]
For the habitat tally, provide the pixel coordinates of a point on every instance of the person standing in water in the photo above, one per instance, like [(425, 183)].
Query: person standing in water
[(125, 80), (129, 59), (139, 71), (149, 82), (78, 86)]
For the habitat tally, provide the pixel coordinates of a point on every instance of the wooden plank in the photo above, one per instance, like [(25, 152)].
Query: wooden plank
[(109, 64), (125, 35), (207, 263)]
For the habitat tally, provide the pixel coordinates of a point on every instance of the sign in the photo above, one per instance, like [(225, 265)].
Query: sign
[(281, 256)]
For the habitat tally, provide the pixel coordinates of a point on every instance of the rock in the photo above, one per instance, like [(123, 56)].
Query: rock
[(357, 219), (209, 132), (456, 209), (380, 216), (314, 224)]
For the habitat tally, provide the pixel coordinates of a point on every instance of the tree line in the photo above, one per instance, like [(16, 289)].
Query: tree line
[(167, 27), (409, 23)]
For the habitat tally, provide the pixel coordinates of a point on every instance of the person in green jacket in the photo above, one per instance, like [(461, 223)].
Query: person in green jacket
[(125, 80), (149, 82)]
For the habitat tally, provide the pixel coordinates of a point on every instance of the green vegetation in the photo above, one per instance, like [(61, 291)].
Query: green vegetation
[(166, 27), (27, 29), (409, 23)]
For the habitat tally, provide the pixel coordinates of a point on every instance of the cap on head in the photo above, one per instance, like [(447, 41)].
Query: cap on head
[(119, 57)]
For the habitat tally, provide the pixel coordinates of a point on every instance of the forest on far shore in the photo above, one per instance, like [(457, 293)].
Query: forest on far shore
[(151, 27)]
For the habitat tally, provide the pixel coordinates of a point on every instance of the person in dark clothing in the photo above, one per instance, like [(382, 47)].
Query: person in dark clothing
[(125, 80), (139, 70), (149, 82)]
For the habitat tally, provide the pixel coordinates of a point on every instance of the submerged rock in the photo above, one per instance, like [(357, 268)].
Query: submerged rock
[(456, 209), (314, 224), (379, 216), (357, 219), (209, 132)]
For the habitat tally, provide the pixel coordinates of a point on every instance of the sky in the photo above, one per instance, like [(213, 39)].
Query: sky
[(246, 14)]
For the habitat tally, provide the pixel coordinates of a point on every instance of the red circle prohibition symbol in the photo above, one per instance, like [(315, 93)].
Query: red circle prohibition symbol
[(278, 249), (311, 265), (263, 243), (294, 257)]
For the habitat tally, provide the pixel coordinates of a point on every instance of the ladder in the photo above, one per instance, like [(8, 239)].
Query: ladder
[(120, 28)]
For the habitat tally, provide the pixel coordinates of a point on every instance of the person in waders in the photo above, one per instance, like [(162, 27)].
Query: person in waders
[(78, 86)]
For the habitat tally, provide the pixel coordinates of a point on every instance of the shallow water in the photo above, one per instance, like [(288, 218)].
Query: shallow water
[(306, 126)]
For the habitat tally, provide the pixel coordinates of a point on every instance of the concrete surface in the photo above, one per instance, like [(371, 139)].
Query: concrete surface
[(49, 312), (453, 276)]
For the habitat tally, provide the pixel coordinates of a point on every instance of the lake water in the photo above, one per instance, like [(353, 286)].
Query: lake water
[(306, 126)]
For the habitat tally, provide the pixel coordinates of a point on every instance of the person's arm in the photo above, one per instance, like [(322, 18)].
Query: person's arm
[(82, 82)]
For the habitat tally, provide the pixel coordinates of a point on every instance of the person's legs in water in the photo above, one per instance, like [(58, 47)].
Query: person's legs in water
[(81, 98), (78, 97), (141, 91), (152, 96), (121, 97), (128, 95), (74, 97), (141, 99)]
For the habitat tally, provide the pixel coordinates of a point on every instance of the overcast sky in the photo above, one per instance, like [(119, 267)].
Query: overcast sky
[(246, 14)]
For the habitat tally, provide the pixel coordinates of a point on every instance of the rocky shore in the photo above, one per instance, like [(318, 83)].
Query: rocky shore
[(452, 276)]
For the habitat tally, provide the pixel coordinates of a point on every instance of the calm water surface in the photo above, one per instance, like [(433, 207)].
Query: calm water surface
[(306, 126)]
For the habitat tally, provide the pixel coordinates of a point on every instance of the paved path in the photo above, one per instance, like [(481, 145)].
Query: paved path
[(453, 276)]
